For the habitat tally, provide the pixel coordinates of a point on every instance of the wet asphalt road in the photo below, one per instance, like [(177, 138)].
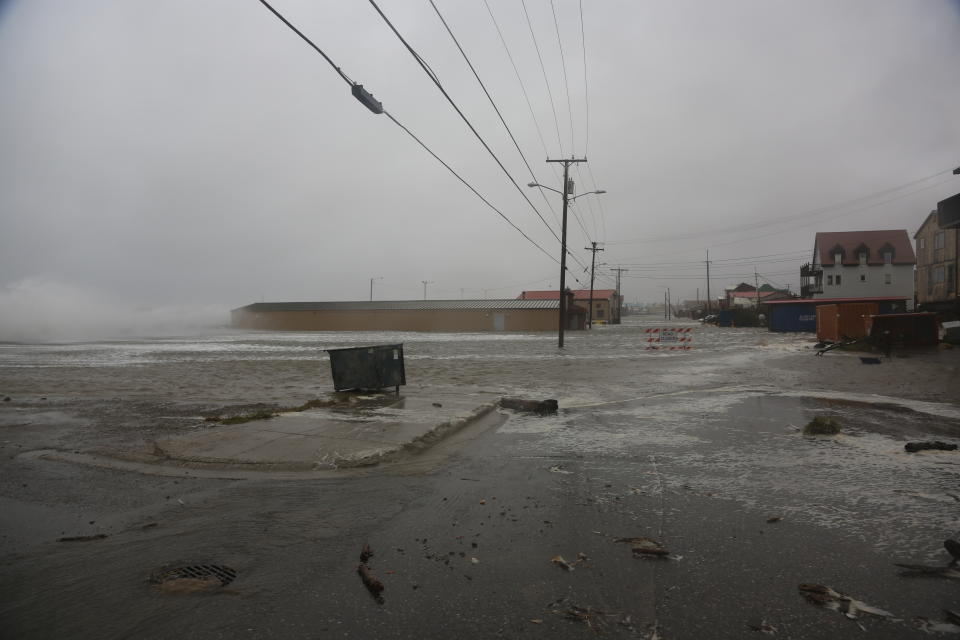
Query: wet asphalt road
[(701, 471)]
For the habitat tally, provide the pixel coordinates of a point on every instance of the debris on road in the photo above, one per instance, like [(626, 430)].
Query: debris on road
[(645, 547), (373, 585), (773, 519), (560, 562), (868, 360), (540, 407), (828, 598), (821, 426), (98, 536), (366, 553), (934, 445)]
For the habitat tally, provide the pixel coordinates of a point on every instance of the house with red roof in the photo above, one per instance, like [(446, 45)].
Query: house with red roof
[(606, 303), (860, 264)]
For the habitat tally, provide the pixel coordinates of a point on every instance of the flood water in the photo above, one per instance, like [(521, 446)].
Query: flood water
[(697, 448)]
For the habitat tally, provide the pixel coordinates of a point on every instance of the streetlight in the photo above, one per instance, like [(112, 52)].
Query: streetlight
[(567, 190), (371, 286), (425, 283)]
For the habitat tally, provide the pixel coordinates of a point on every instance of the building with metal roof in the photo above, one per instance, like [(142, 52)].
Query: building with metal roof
[(407, 315)]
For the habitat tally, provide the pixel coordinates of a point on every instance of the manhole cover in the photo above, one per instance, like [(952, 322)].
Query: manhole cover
[(197, 577)]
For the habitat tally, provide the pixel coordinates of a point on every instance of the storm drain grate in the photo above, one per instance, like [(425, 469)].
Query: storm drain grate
[(225, 575)]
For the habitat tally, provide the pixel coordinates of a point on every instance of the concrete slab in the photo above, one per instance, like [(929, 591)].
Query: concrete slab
[(329, 437)]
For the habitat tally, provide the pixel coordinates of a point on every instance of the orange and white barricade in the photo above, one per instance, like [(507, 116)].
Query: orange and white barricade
[(669, 338)]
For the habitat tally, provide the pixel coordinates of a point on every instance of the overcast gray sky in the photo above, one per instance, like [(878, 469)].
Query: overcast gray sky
[(180, 158)]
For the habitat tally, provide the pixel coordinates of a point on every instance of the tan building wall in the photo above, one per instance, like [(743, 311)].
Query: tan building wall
[(601, 309), (937, 268), (398, 320)]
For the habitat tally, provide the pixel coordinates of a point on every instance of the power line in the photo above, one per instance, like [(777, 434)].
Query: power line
[(308, 41), (566, 84), (586, 88), (426, 68), (839, 215), (543, 68), (495, 108), (526, 97), (468, 185), (405, 129), (820, 211)]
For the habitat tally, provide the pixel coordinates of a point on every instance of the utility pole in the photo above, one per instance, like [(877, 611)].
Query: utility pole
[(669, 303), (709, 301), (567, 190), (425, 283), (593, 264), (619, 270), (371, 286), (756, 282)]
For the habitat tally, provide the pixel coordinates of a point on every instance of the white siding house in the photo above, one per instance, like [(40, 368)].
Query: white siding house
[(862, 264)]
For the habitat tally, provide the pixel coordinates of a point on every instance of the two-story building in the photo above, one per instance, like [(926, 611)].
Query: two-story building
[(937, 266), (860, 264)]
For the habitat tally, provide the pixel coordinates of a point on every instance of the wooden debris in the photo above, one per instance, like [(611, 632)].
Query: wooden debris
[(560, 562), (828, 598), (645, 547), (99, 536)]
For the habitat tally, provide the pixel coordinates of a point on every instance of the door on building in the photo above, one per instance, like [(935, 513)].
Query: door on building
[(499, 321)]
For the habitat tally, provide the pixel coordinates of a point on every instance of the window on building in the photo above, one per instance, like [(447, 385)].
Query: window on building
[(887, 257), (929, 283), (863, 277), (938, 240), (939, 275), (830, 280), (599, 313), (951, 274), (838, 279), (921, 243), (887, 278), (838, 258), (863, 257)]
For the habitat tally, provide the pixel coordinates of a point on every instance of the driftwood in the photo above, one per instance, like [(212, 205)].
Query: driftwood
[(541, 407), (373, 585)]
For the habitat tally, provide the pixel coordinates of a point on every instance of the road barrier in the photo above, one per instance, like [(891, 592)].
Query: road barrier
[(669, 338)]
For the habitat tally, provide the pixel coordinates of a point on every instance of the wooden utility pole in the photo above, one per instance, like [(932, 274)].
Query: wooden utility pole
[(567, 190), (709, 301), (593, 264), (619, 270), (756, 283)]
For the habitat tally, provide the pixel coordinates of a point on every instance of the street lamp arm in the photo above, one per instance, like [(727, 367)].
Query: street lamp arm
[(537, 184), (588, 193)]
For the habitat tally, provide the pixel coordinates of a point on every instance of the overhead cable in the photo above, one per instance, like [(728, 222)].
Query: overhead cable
[(408, 132), (446, 95), (499, 114)]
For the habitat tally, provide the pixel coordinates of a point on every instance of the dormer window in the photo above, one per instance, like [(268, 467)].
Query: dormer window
[(837, 253), (887, 252), (863, 254)]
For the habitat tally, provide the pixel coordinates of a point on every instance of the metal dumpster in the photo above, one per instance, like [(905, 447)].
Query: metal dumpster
[(373, 367)]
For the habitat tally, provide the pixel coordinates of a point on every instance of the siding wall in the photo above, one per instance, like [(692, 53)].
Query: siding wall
[(872, 286), (397, 320)]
